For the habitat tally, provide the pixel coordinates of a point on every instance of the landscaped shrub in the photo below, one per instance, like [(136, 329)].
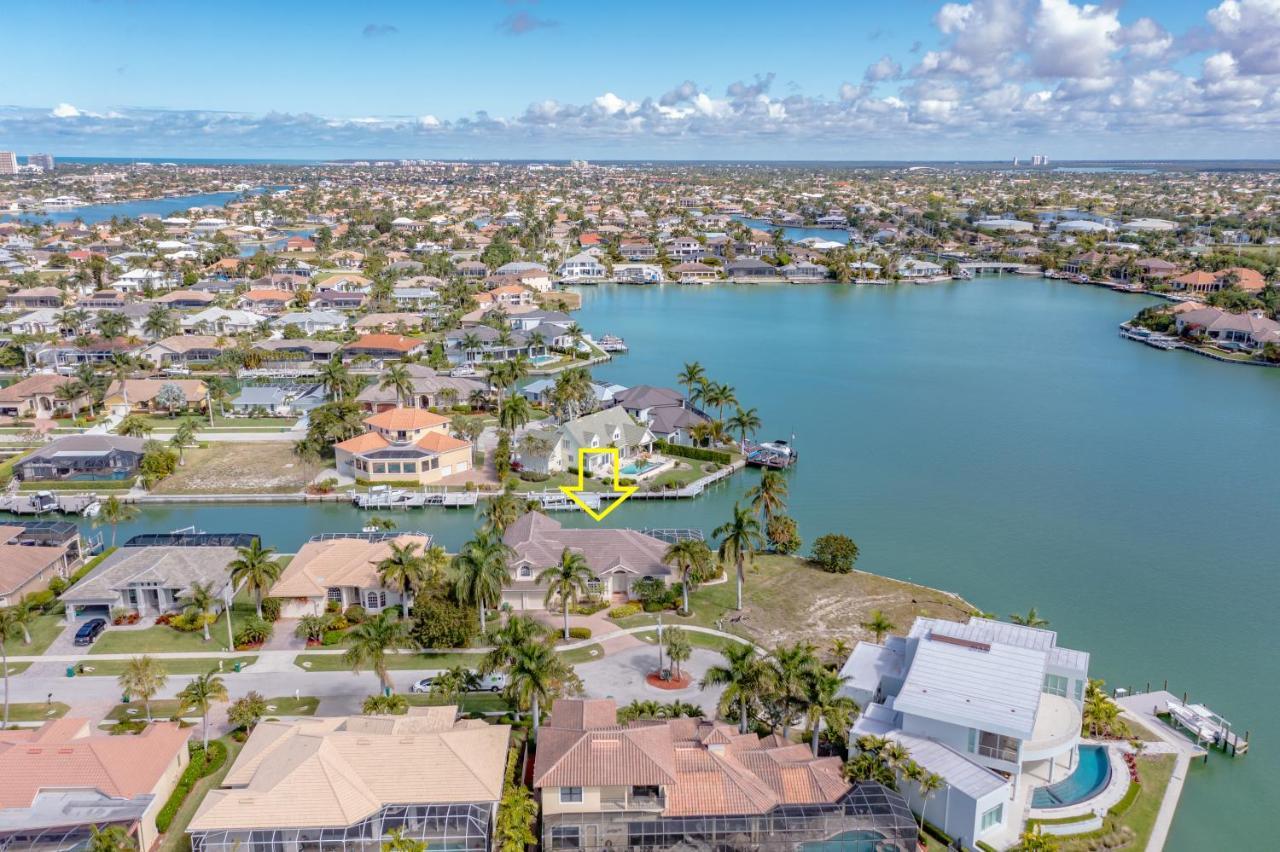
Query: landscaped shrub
[(533, 476), (696, 453), (579, 632), (271, 608), (189, 622), (782, 534), (57, 586), (253, 631), (355, 614), (332, 637), (834, 553), (589, 607), (441, 622), (626, 609), (202, 765), (332, 606), (338, 621)]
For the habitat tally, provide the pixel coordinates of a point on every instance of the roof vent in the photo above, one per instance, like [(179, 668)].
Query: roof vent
[(962, 643)]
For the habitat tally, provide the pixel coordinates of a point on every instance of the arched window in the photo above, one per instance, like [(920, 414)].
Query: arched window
[(525, 572)]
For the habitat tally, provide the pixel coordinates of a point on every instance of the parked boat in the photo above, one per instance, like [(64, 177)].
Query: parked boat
[(610, 343), (777, 454)]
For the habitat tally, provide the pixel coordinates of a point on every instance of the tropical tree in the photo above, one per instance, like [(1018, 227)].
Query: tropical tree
[(739, 540), (9, 629), (793, 667), (517, 814), (879, 624), (1031, 619), (404, 570), (480, 570), (745, 423), (505, 640), (1033, 840), (397, 378), (746, 678), (927, 783), (769, 496), (311, 627), (397, 841), (159, 322), (200, 601), (335, 379), (255, 567), (384, 705), (824, 705), (134, 426), (691, 376), (201, 694), (566, 581), (690, 557), (370, 643), (678, 646), (536, 675), (514, 412), (183, 437), (112, 838)]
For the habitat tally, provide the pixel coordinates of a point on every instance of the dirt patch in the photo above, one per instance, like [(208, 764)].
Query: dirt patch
[(788, 600), (267, 467)]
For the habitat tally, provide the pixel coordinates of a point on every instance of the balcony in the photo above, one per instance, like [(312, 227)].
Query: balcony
[(1057, 728), (632, 803)]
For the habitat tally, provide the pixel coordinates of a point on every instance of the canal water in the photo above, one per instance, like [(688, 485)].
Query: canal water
[(93, 213), (996, 438), (795, 233)]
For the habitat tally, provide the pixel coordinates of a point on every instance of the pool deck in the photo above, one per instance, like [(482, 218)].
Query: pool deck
[(1142, 709), (1105, 798)]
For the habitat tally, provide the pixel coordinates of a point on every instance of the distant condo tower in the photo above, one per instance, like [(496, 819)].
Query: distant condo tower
[(1039, 159), (8, 163), (44, 161), (578, 164)]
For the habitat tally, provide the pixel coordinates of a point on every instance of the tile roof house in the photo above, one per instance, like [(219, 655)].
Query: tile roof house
[(610, 427), (1249, 330), (694, 783), (142, 394), (149, 579), (383, 347), (430, 390), (37, 396), (60, 780), (342, 569), (618, 557), (33, 554), (666, 412), (344, 782), (403, 445), (183, 349)]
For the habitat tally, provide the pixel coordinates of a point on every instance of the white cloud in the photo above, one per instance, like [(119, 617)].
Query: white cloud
[(1070, 41), (65, 111)]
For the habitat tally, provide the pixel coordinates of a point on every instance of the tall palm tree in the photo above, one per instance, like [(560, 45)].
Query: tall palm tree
[(879, 624), (824, 705), (202, 693), (769, 496), (9, 629), (745, 678), (1031, 619), (480, 570), (256, 569), (927, 783), (690, 557), (405, 571), (535, 676), (201, 600), (565, 581), (114, 513), (396, 378), (159, 322), (692, 375), (143, 676), (134, 426), (397, 841), (745, 423), (503, 642), (793, 666), (370, 643), (514, 411), (740, 539), (334, 378)]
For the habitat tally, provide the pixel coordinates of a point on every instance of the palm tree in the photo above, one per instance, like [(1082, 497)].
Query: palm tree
[(824, 705), (745, 679), (159, 322), (745, 423), (690, 557), (113, 838), (143, 676), (840, 650), (927, 783), (1031, 619), (692, 374), (405, 571), (370, 643), (514, 412), (397, 842), (134, 426), (678, 646), (256, 569), (184, 436), (565, 581), (397, 378), (480, 570), (535, 676), (201, 600), (25, 612), (739, 540), (9, 629), (793, 666), (201, 693), (334, 378), (769, 496), (114, 513), (879, 624)]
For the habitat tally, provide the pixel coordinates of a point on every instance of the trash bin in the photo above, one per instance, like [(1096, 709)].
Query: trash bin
[(124, 699), (71, 671), (236, 667)]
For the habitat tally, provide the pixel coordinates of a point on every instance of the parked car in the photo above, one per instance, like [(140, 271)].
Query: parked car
[(488, 683), (90, 631)]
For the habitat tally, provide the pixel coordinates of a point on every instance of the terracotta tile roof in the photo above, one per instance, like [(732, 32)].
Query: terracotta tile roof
[(29, 387), (405, 419), (363, 443), (438, 442), (320, 565), (394, 342)]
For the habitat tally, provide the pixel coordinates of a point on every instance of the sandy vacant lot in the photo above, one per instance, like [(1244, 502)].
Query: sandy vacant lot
[(248, 468)]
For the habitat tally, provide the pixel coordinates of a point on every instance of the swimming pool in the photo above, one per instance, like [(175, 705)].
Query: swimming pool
[(851, 841), (1091, 774), (630, 468)]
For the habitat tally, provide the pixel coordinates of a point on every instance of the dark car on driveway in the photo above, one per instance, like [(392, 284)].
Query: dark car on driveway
[(90, 631)]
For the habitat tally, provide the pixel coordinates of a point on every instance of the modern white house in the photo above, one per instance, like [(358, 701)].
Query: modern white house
[(992, 708), (581, 267)]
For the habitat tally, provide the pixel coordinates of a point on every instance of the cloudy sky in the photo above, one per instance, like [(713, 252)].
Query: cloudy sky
[(986, 79)]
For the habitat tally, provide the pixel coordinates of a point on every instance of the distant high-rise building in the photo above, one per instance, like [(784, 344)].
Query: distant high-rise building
[(1039, 159), (8, 163), (44, 161)]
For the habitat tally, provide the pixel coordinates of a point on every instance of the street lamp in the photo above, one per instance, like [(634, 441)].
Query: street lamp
[(227, 596), (659, 645)]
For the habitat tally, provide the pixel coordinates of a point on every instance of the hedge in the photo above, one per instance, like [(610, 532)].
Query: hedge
[(696, 453), (196, 769), (624, 610), (579, 632), (89, 566), (88, 486), (1121, 807)]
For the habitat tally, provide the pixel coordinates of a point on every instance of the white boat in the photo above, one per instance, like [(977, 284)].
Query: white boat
[(610, 343), (91, 510)]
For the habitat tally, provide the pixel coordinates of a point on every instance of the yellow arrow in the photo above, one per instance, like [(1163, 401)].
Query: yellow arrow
[(623, 491)]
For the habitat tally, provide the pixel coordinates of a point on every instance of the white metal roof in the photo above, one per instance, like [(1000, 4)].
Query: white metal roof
[(961, 774)]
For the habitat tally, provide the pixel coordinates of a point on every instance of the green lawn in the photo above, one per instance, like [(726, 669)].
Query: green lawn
[(167, 708), (697, 640), (398, 662), (162, 639), (44, 629), (1155, 772), (169, 424), (475, 702), (175, 839), (36, 711), (582, 655), (186, 666)]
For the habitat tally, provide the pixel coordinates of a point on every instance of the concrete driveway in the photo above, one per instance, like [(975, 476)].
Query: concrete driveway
[(621, 676)]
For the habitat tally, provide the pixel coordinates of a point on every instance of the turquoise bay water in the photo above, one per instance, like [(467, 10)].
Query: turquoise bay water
[(795, 233), (998, 439), (94, 213)]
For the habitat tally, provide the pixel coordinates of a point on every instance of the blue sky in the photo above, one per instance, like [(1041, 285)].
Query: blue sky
[(495, 78)]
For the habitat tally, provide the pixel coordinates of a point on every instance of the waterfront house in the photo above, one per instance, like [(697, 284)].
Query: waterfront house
[(310, 322), (38, 322), (151, 579), (266, 301), (1200, 281), (344, 782), (686, 248), (342, 570), (581, 267), (1250, 330), (36, 297), (482, 343), (184, 349), (693, 783), (33, 553), (403, 445), (296, 354), (638, 273), (804, 272), (87, 458), (430, 390), (39, 396), (338, 300), (383, 347), (638, 250), (992, 708), (472, 269), (138, 280), (220, 321), (278, 400), (557, 447), (666, 412), (913, 268), (63, 779), (140, 395), (181, 299), (694, 272), (617, 558), (751, 268)]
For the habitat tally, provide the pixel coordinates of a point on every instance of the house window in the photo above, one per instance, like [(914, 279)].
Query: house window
[(375, 600), (651, 791), (525, 572), (1079, 690), (393, 467), (1055, 685), (998, 747), (570, 795), (566, 837), (992, 818), (334, 594)]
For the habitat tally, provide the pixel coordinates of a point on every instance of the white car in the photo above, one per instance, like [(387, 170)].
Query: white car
[(487, 683)]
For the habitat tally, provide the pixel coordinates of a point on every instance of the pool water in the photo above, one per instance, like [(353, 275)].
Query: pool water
[(630, 469), (1089, 777), (850, 841)]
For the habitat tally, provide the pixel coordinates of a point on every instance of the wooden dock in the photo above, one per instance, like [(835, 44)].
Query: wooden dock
[(1206, 728)]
